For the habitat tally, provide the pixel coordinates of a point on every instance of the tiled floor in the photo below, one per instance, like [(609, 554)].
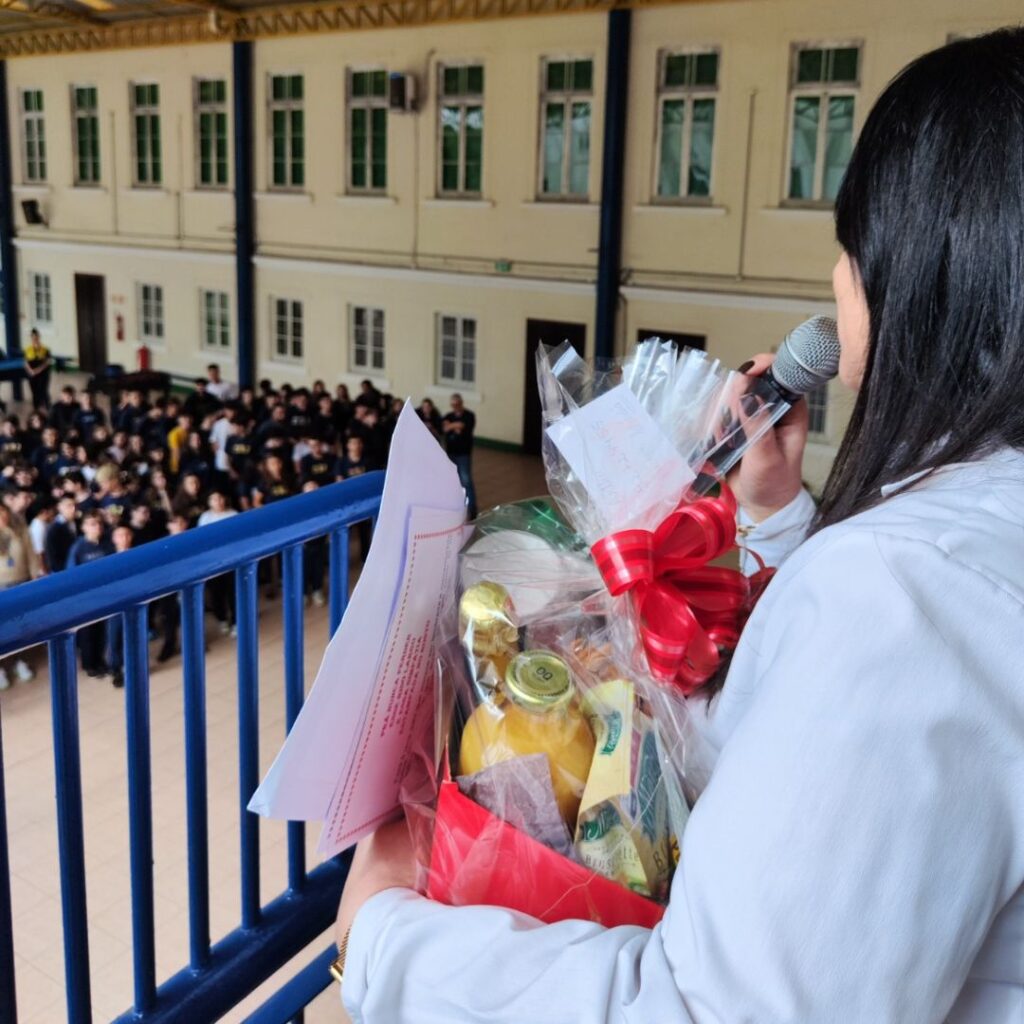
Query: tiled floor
[(28, 758)]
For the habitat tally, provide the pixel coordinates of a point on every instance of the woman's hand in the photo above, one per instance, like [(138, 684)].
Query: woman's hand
[(382, 861), (770, 474)]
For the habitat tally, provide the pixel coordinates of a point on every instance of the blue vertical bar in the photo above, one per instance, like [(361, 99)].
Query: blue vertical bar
[(248, 739), (613, 162), (294, 692), (8, 266), (68, 773), (245, 232), (338, 556), (8, 999), (140, 803), (193, 656)]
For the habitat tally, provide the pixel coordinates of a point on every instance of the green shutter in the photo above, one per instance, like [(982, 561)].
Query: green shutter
[(670, 170), (579, 150), (806, 115), (702, 133), (474, 148), (554, 147)]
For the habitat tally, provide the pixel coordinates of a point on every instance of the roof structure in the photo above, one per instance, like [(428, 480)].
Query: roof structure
[(47, 27)]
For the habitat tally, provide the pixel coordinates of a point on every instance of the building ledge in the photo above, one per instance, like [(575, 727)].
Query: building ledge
[(460, 203), (707, 209)]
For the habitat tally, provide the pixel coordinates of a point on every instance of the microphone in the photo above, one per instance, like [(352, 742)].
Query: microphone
[(807, 358)]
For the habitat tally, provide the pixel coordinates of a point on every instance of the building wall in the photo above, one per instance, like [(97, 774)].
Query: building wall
[(741, 267)]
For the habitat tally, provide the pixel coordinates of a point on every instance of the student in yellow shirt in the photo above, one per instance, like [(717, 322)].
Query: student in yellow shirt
[(38, 364)]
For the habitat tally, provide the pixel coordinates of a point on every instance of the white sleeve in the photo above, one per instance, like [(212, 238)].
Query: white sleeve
[(776, 537), (862, 828)]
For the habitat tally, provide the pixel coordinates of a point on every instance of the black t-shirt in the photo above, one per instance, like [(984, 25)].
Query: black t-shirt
[(318, 468), (239, 450), (121, 502), (87, 420), (12, 448), (273, 490), (46, 462), (62, 415), (346, 468), (460, 442)]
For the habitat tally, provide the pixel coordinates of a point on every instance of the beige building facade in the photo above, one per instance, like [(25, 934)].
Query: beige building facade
[(429, 249)]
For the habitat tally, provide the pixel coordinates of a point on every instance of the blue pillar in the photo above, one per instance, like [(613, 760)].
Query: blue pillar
[(8, 267), (245, 233), (613, 160)]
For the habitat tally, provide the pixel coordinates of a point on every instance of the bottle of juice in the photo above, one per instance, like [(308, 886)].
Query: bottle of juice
[(537, 711)]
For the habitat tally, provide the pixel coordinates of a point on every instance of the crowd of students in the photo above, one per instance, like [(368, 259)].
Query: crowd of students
[(78, 483)]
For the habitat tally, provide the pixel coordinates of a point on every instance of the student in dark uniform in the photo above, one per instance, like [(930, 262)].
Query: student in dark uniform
[(91, 639)]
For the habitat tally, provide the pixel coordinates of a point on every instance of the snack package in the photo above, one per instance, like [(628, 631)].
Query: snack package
[(576, 631)]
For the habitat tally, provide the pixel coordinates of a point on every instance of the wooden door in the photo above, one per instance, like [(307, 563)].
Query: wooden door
[(91, 311)]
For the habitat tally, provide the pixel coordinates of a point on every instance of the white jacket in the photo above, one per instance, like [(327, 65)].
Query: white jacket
[(858, 856)]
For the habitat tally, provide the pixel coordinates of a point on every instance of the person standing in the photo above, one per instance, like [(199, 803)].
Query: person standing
[(220, 589), (17, 565), (222, 390), (122, 539), (61, 534), (458, 427), (91, 638), (38, 365)]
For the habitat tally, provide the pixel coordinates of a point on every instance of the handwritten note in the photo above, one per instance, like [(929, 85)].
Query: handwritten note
[(625, 462)]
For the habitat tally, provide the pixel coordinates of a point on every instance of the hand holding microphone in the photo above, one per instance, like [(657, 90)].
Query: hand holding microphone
[(770, 474)]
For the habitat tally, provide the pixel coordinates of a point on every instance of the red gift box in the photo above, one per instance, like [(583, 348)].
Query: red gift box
[(477, 858)]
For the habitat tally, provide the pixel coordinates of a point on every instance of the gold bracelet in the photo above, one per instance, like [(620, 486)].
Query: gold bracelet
[(338, 964)]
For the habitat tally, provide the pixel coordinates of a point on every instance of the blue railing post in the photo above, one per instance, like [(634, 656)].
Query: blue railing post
[(140, 803), (294, 691), (70, 841), (8, 1001), (193, 656), (338, 576), (248, 740)]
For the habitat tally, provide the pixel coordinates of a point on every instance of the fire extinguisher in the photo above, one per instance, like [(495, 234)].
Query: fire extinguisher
[(143, 356)]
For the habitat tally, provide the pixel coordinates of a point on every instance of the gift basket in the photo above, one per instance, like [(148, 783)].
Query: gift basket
[(577, 627)]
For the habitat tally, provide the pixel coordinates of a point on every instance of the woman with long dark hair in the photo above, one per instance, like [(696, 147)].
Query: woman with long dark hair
[(858, 854)]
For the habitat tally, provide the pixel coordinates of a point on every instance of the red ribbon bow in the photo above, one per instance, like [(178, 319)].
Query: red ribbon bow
[(688, 611)]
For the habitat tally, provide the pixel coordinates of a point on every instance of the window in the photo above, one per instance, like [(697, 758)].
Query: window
[(687, 87), (211, 99), (368, 131), (462, 130), (565, 128), (367, 338), (42, 302), (824, 83), (456, 350), (146, 135), (216, 319), (33, 135), (287, 329), (151, 313), (85, 123), (287, 132), (817, 407)]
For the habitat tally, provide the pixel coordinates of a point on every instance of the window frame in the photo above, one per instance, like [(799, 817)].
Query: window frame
[(223, 320), (367, 368), (823, 409), (688, 93), (38, 116), (289, 359), (463, 102), (457, 382), (568, 98), (288, 106), (825, 91), (150, 110), (159, 336), (78, 114), (200, 107), (369, 104), (35, 278)]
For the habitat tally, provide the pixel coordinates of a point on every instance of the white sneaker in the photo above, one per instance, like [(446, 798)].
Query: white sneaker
[(318, 598), (5, 682), (23, 672)]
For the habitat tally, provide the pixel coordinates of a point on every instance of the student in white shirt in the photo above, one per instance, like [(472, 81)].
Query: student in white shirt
[(858, 854), (222, 390)]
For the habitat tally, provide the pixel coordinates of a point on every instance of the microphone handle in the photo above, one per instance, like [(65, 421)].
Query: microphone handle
[(783, 392)]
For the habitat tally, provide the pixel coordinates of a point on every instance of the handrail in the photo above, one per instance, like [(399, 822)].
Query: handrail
[(120, 588), (36, 611)]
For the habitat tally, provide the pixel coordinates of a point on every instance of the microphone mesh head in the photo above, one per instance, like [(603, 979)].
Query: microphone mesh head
[(808, 356)]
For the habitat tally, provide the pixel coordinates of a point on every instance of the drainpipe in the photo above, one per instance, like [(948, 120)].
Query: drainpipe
[(613, 158), (8, 266), (245, 228)]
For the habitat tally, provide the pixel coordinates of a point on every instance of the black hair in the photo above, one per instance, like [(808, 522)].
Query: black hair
[(931, 214)]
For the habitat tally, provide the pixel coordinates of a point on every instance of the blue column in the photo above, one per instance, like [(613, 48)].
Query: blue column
[(8, 267), (613, 160), (245, 232)]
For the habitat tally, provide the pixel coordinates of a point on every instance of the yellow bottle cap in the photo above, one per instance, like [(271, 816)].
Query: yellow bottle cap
[(539, 680)]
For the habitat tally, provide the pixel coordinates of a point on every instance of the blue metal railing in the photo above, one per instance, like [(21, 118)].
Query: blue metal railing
[(49, 610)]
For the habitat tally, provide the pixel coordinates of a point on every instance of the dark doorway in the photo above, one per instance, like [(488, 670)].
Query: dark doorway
[(550, 332), (698, 341), (91, 309)]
